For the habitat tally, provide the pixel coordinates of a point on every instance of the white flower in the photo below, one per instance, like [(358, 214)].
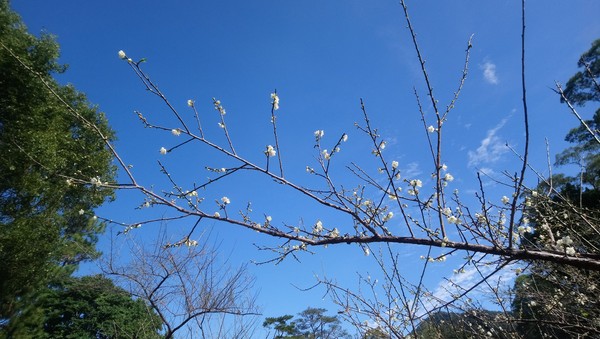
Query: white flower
[(225, 200), (335, 233), (221, 125), (122, 55), (367, 251), (269, 218), (448, 177), (318, 228), (190, 243), (505, 200), (275, 99), (326, 155), (176, 132), (217, 215), (452, 219), (534, 193), (416, 183), (565, 241), (81, 212), (524, 229), (163, 151), (95, 217), (570, 251), (319, 134), (190, 103), (430, 129), (389, 216), (444, 167), (345, 137), (270, 152), (394, 164), (382, 145), (95, 181)]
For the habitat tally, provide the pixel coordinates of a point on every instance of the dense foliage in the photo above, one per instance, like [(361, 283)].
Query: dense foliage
[(312, 323), (88, 307), (554, 300), (48, 149)]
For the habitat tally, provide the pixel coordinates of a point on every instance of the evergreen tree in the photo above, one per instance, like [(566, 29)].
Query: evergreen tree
[(554, 300), (87, 307), (50, 153)]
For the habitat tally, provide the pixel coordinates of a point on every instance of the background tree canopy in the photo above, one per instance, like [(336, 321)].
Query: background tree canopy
[(46, 223)]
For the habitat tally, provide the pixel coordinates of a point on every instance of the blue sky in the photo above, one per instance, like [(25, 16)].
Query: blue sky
[(322, 57)]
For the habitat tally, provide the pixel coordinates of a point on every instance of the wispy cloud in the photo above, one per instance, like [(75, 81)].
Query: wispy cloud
[(469, 277), (491, 148), (489, 72), (411, 171)]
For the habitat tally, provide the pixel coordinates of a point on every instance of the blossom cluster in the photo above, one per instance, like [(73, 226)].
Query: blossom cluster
[(275, 101)]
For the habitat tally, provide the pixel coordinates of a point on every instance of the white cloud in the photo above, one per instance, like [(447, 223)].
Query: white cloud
[(491, 148), (448, 289), (489, 72), (411, 171)]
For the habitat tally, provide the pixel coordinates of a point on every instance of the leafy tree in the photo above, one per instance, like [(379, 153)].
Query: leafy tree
[(311, 324), (375, 333), (583, 86), (554, 300), (474, 324), (282, 328), (89, 307), (52, 148)]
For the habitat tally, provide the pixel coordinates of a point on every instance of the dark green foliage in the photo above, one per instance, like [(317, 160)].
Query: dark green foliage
[(282, 328), (88, 307), (581, 88), (553, 300), (375, 333), (46, 224), (311, 324), (475, 324)]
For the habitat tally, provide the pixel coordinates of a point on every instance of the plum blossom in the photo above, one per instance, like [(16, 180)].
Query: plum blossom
[(190, 102), (122, 55), (319, 134), (270, 152), (275, 99), (430, 129), (163, 151), (394, 164), (505, 200), (448, 177), (345, 137), (389, 216), (334, 233), (176, 132), (416, 183), (452, 219), (318, 228), (225, 200), (217, 215)]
